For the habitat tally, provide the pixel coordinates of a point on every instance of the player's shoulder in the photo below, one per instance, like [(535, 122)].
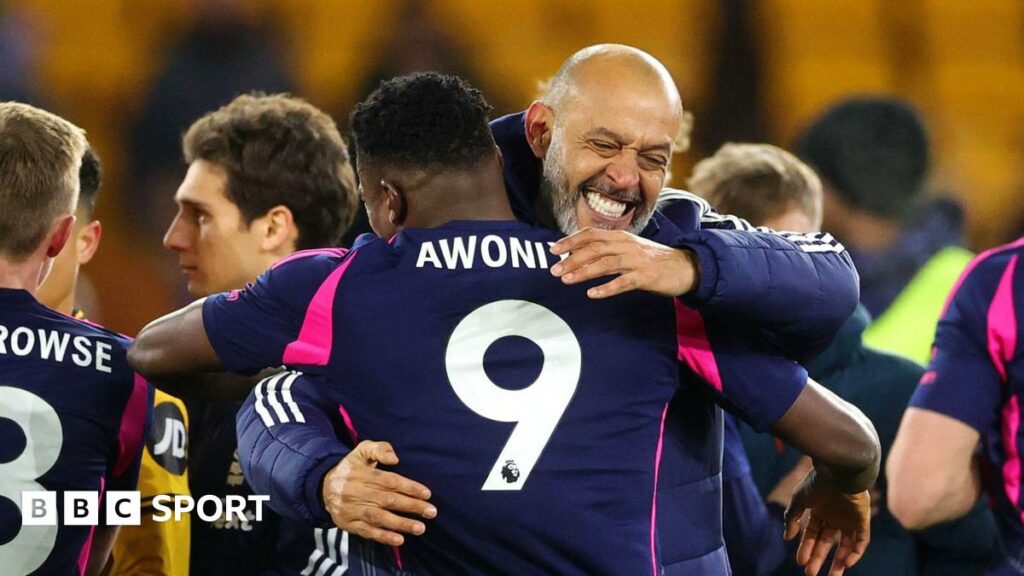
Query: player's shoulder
[(998, 258), (983, 274), (308, 265), (672, 196), (87, 328), (317, 257)]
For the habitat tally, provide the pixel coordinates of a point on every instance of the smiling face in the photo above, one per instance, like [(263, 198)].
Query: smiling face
[(609, 153)]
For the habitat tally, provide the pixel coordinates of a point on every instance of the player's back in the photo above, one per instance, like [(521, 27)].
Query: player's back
[(72, 415), (533, 412)]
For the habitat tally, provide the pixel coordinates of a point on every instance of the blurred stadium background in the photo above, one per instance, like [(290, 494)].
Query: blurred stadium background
[(135, 73)]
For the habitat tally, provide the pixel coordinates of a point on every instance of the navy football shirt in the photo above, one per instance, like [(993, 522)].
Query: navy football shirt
[(72, 417), (977, 376), (534, 413)]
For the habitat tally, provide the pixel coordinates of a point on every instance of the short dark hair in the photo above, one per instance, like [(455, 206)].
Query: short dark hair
[(872, 151), (280, 150), (89, 176), (425, 120)]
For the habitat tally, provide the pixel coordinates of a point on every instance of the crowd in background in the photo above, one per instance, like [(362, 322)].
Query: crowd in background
[(910, 115), (134, 73)]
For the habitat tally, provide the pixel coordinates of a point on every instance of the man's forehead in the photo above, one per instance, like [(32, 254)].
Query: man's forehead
[(204, 184), (630, 122)]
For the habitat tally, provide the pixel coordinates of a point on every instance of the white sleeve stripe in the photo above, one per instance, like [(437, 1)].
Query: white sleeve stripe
[(286, 394), (343, 549), (814, 248), (313, 558), (321, 545), (332, 542), (261, 408), (811, 243), (272, 399), (326, 565)]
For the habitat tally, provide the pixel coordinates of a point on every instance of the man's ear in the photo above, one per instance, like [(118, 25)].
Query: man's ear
[(278, 229), (395, 201), (540, 121), (88, 241), (59, 235)]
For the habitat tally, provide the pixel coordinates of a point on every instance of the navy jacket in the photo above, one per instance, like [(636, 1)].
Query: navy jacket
[(764, 300)]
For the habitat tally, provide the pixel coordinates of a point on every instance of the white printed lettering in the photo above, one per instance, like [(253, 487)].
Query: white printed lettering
[(103, 357), (428, 254), (83, 357), (461, 252), (53, 343), (493, 260), (522, 251), (28, 344)]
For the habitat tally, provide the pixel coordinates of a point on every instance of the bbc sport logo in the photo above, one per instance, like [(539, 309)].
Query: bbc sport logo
[(124, 508)]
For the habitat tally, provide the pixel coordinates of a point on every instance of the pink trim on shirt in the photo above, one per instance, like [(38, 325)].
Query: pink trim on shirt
[(133, 421), (349, 425), (1002, 322), (355, 439), (693, 346), (974, 264), (339, 252), (1011, 467), (313, 346), (654, 500), (1001, 336)]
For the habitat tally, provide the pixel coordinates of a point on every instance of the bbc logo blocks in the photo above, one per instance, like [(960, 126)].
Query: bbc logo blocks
[(81, 508)]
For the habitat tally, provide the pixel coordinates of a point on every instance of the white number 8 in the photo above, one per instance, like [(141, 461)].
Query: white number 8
[(43, 438), (537, 408)]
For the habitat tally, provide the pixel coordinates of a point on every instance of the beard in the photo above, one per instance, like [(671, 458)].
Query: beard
[(555, 188), (563, 198)]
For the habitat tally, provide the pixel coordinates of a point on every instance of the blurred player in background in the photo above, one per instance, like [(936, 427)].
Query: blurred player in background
[(962, 434), (873, 156), (73, 413), (152, 547), (268, 175), (770, 187)]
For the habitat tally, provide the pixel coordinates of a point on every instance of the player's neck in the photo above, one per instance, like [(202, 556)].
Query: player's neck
[(477, 195), (67, 305), (25, 275)]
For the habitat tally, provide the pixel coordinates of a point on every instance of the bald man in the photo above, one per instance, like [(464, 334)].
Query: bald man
[(591, 158), (594, 152)]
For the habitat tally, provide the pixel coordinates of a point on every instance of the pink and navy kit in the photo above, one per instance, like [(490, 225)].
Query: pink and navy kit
[(532, 412), (732, 338), (977, 376), (73, 416)]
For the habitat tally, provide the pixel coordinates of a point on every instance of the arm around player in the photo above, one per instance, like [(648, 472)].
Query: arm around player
[(798, 289), (296, 457)]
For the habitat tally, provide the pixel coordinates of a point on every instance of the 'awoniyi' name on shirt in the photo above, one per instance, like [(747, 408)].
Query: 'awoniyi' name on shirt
[(57, 346), (491, 251), (494, 382)]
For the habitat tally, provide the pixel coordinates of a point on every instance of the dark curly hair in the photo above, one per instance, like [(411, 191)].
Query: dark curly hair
[(280, 150), (425, 120)]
